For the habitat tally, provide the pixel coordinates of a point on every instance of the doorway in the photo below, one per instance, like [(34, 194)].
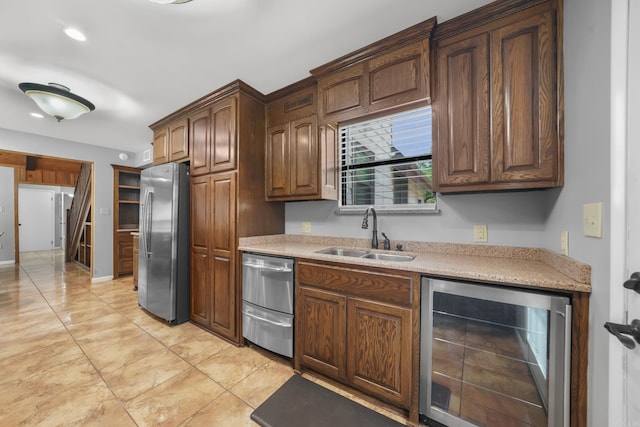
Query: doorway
[(36, 219)]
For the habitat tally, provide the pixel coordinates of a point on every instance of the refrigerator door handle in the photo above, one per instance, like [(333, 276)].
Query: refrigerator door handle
[(148, 217), (145, 230), (143, 234)]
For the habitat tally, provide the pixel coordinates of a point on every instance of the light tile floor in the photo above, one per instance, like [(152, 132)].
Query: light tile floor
[(77, 353)]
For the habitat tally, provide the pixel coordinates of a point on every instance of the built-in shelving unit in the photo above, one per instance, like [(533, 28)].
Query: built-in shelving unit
[(126, 216)]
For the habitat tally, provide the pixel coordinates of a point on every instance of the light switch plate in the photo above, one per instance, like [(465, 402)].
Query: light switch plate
[(564, 243), (480, 233), (306, 227), (592, 219)]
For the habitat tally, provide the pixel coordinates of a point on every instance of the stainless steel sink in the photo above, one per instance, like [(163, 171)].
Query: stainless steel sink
[(343, 252), (388, 257)]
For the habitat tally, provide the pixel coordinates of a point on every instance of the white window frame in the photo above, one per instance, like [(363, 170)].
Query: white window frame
[(345, 164)]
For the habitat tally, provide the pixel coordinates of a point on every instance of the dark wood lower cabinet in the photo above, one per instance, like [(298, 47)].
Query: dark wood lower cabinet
[(379, 360), (360, 328), (323, 317)]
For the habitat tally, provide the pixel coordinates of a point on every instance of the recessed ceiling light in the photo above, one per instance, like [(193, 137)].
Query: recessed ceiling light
[(75, 34), (37, 115)]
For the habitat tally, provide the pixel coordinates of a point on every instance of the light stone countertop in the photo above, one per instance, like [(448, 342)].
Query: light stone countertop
[(530, 267)]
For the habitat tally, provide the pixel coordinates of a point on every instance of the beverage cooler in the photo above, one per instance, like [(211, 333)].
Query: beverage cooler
[(493, 355)]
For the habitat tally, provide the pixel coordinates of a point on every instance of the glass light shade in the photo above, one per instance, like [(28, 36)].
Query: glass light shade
[(56, 100)]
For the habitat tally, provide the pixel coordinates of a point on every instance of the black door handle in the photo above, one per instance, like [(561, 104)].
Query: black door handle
[(633, 283), (621, 332)]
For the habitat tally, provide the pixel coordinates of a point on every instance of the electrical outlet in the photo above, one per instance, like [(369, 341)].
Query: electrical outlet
[(306, 227), (0, 246), (564, 243), (592, 219), (480, 233)]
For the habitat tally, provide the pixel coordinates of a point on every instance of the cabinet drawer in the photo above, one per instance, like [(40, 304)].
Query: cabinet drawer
[(380, 286)]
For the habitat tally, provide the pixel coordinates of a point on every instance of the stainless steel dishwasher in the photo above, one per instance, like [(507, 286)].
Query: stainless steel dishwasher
[(267, 302)]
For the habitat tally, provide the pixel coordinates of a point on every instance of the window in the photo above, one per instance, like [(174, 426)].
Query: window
[(386, 162)]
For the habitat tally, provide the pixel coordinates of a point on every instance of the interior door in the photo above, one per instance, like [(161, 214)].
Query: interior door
[(36, 219), (632, 379), (624, 372)]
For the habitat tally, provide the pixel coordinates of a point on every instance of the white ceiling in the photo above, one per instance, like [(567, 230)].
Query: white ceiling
[(143, 60)]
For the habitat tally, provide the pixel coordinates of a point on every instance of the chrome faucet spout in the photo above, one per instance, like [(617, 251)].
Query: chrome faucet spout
[(365, 225)]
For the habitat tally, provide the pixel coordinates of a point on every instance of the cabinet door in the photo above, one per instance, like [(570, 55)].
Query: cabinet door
[(179, 140), (379, 353), (399, 77), (125, 252), (277, 161), (161, 146), (328, 139), (321, 341), (200, 259), (524, 100), (304, 156), (223, 254), (343, 95), (461, 113), (199, 141), (223, 135)]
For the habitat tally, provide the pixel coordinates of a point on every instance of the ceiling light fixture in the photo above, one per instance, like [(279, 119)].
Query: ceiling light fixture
[(37, 115), (169, 1), (57, 100)]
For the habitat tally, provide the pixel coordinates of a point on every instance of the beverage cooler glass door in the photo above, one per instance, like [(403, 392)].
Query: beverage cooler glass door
[(493, 356)]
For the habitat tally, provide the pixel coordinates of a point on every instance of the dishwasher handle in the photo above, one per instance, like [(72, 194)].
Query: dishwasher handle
[(267, 267), (262, 319)]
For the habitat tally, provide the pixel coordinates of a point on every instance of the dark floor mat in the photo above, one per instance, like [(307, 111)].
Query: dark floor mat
[(302, 403)]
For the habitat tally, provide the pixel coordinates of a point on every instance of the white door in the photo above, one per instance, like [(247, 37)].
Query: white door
[(632, 392), (624, 386), (35, 219)]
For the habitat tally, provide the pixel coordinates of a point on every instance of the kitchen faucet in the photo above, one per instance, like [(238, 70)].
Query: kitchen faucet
[(365, 225)]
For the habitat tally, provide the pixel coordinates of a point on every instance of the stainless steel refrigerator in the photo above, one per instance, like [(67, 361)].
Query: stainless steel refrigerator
[(163, 268)]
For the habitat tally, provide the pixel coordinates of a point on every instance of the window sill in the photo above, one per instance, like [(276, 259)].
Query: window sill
[(382, 210)]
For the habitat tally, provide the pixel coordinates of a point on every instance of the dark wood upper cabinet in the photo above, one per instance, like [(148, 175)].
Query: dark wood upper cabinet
[(343, 95), (223, 135), (179, 140), (200, 142), (277, 156), (524, 97), (171, 143), (389, 74), (496, 120), (161, 146), (462, 130), (300, 157)]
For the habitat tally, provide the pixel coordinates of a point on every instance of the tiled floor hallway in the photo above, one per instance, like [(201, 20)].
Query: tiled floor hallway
[(77, 353)]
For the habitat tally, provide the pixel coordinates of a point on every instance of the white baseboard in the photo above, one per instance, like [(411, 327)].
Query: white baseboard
[(101, 279), (11, 261)]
